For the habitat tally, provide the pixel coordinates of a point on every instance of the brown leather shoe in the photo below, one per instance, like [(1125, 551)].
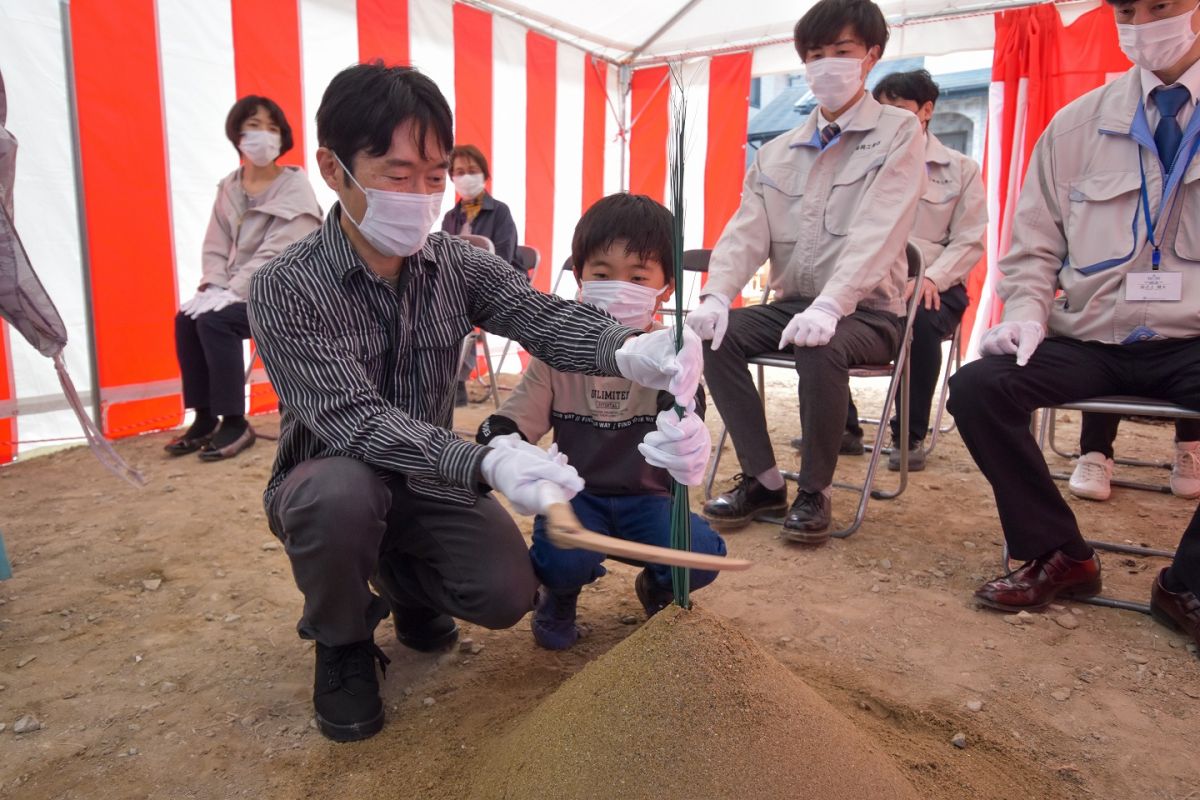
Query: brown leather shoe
[(1178, 611), (1036, 584)]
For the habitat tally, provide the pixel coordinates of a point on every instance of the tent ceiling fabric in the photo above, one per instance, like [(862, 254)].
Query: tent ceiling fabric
[(618, 29)]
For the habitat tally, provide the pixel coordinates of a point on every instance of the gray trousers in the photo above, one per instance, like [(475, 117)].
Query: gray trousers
[(864, 337), (343, 523)]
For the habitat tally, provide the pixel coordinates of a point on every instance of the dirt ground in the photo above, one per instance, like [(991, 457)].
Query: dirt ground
[(152, 634)]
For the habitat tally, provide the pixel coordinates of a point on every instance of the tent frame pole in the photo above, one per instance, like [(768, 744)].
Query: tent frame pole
[(85, 265)]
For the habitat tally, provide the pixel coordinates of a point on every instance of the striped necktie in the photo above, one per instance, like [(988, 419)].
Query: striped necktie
[(828, 133)]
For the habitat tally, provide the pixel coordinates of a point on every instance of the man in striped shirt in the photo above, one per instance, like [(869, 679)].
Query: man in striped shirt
[(359, 325)]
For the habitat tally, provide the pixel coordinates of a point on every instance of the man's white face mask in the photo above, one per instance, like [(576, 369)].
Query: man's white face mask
[(1160, 44), (834, 81), (395, 223)]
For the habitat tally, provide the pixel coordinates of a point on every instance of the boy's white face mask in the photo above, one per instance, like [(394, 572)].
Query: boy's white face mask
[(1159, 44), (632, 304)]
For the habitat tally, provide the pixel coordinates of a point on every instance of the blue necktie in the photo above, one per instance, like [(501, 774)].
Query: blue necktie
[(1168, 134)]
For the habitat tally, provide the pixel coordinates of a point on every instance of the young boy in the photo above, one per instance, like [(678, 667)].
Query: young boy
[(622, 252)]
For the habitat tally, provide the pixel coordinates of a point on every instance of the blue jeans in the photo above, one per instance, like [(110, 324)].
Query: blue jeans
[(636, 518)]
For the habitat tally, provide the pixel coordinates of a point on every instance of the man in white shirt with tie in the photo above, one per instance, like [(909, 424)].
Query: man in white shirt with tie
[(1109, 219)]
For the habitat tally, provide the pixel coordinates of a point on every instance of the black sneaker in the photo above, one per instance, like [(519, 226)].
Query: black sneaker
[(747, 499), (808, 519), (346, 691), (652, 597), (852, 444), (424, 629)]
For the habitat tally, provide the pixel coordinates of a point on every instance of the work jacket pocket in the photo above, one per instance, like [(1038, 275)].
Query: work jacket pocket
[(846, 195), (1100, 220), (1187, 238), (783, 192), (934, 213)]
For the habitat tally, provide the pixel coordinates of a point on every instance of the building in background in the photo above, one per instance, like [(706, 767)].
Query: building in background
[(779, 103)]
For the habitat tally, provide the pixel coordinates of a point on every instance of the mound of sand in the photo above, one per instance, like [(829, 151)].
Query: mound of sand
[(687, 707)]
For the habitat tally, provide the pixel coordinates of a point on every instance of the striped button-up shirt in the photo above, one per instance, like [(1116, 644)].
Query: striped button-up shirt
[(367, 370)]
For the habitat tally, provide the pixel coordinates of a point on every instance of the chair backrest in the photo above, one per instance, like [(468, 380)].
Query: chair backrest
[(696, 260), (482, 242), (529, 257)]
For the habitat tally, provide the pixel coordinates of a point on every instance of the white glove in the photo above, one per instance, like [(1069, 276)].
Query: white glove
[(710, 319), (812, 327), (221, 299), (650, 360), (1007, 338), (680, 446), (192, 307), (519, 470)]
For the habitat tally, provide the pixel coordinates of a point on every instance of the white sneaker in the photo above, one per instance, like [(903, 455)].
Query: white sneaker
[(1092, 475), (1185, 475)]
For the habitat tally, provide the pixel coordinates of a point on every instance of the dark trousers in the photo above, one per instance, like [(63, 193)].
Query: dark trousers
[(864, 337), (992, 400), (930, 328), (1097, 432), (209, 349), (635, 518), (343, 524)]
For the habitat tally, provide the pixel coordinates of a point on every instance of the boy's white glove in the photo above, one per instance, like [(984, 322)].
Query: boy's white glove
[(650, 360), (812, 327), (710, 319), (1007, 338), (680, 446), (517, 469)]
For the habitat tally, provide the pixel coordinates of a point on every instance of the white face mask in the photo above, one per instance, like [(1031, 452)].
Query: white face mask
[(259, 147), (396, 223), (1159, 44), (631, 303), (834, 81), (469, 185)]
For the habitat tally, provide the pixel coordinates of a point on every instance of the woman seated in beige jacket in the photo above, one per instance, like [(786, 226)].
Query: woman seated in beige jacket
[(261, 208)]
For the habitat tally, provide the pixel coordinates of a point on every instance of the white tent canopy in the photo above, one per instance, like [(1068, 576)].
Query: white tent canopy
[(640, 32)]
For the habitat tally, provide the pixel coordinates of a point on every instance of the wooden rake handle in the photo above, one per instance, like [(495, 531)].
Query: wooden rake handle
[(563, 529)]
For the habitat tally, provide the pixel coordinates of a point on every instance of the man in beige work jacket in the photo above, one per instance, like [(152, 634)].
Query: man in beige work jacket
[(949, 232), (830, 204), (1110, 216)]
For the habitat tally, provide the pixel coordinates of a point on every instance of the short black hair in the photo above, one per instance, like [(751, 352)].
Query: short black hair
[(917, 86), (364, 104), (646, 227), (246, 108), (475, 154), (822, 24)]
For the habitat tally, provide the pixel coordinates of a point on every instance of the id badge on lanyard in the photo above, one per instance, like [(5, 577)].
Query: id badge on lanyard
[(1158, 286)]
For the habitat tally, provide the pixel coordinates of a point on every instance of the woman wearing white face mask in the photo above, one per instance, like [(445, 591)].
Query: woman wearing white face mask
[(261, 208), (476, 211)]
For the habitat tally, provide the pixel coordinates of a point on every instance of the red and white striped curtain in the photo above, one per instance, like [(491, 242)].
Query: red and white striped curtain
[(1038, 66), (153, 81)]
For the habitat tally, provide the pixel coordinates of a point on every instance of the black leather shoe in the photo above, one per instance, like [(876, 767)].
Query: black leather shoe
[(1179, 611), (852, 444), (346, 691), (808, 519), (747, 499), (184, 445), (424, 629), (653, 598)]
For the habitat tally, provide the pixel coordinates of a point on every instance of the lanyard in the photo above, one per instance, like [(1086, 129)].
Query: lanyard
[(1164, 212)]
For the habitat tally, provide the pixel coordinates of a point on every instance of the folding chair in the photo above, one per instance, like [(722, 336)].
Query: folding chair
[(530, 260), (898, 370), (1047, 431), (1118, 405), (952, 364), (468, 345)]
